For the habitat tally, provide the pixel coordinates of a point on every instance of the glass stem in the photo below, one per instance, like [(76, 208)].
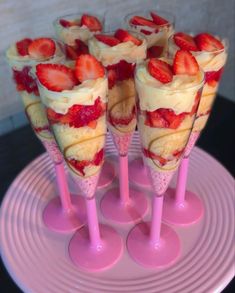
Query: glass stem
[(93, 224), (155, 228), (63, 187), (181, 182), (123, 179)]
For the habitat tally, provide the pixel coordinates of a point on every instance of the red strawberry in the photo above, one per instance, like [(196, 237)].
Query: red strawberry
[(207, 42), (158, 19), (145, 32), (42, 48), (213, 75), (108, 40), (71, 52), (123, 69), (88, 67), (112, 77), (125, 36), (67, 23), (139, 20), (22, 46), (154, 52), (56, 77), (195, 105), (185, 42), (91, 22), (160, 70), (81, 47), (185, 63), (25, 81), (153, 156)]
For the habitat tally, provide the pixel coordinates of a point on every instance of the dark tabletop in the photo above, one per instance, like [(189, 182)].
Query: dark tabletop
[(20, 147)]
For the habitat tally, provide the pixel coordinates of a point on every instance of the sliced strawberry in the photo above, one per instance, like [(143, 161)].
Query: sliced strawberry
[(185, 63), (67, 23), (24, 81), (124, 36), (71, 52), (56, 77), (153, 156), (185, 42), (207, 42), (123, 69), (196, 102), (81, 47), (154, 52), (213, 75), (108, 40), (158, 19), (178, 153), (112, 78), (160, 70), (88, 67), (91, 22), (139, 20), (22, 47), (145, 32), (42, 48)]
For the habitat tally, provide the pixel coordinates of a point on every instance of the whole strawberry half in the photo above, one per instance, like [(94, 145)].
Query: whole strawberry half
[(160, 70), (185, 63)]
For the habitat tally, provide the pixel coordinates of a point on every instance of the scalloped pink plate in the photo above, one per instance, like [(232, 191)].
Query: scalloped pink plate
[(38, 260)]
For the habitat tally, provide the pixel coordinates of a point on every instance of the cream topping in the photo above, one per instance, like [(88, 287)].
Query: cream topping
[(83, 94), (178, 95), (127, 51)]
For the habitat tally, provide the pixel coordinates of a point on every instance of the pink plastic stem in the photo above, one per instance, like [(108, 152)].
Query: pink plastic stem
[(155, 229), (124, 179), (181, 182), (93, 224), (63, 187)]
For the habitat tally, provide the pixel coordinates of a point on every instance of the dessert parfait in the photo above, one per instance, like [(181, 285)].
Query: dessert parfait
[(156, 26), (75, 31)]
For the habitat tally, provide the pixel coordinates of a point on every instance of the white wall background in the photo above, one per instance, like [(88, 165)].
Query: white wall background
[(32, 18)]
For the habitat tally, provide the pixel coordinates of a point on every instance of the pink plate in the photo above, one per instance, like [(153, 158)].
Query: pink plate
[(38, 259)]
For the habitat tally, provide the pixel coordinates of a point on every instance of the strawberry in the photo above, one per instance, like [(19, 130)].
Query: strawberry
[(124, 36), (185, 42), (213, 75), (71, 52), (88, 67), (123, 69), (145, 32), (153, 156), (67, 23), (22, 47), (56, 77), (154, 52), (24, 81), (207, 42), (42, 48), (160, 70), (139, 20), (108, 40), (196, 102), (185, 63), (158, 19), (112, 77), (91, 22), (81, 47)]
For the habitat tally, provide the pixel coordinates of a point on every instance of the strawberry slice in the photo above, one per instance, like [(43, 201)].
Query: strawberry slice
[(108, 40), (158, 19), (22, 47), (185, 42), (160, 70), (88, 67), (56, 77), (81, 47), (112, 78), (124, 36), (213, 75), (154, 52), (207, 42), (142, 21), (42, 48), (67, 23), (185, 63), (91, 22), (73, 52)]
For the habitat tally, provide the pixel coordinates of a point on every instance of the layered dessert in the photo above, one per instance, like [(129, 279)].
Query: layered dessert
[(75, 101), (157, 28), (210, 53), (119, 52), (75, 31), (22, 57), (168, 97)]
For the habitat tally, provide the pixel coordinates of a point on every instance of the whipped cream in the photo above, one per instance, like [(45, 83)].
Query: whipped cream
[(84, 94), (178, 95), (208, 61), (127, 51)]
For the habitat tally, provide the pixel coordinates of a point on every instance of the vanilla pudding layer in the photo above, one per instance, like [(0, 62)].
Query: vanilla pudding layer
[(127, 51), (121, 100), (84, 94), (177, 95)]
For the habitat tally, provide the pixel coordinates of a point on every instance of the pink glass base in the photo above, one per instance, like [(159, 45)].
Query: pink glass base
[(107, 175), (97, 258), (186, 213), (131, 212), (138, 173), (145, 253), (56, 219)]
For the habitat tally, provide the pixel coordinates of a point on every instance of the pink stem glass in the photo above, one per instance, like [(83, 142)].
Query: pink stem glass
[(181, 182), (123, 179), (155, 229)]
